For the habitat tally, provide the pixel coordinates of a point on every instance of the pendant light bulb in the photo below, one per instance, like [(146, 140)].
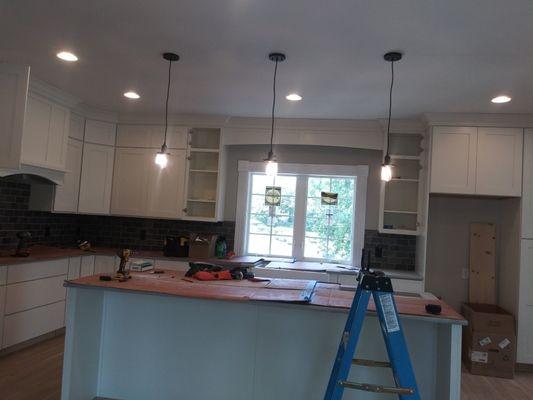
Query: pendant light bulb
[(161, 158), (386, 173), (271, 165)]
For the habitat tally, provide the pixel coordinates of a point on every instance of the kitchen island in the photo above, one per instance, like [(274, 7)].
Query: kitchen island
[(161, 336)]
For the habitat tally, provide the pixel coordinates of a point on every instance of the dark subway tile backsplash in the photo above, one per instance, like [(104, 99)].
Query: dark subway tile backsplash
[(393, 252)]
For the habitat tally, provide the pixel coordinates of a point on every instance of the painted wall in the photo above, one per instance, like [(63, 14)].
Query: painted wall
[(449, 242), (307, 155)]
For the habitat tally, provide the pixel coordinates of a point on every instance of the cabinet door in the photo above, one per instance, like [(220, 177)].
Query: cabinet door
[(36, 127), (453, 160), (13, 94), (76, 127), (66, 195), (527, 192), (499, 161), (100, 132), (166, 187), (525, 304), (56, 147), (96, 179), (130, 180)]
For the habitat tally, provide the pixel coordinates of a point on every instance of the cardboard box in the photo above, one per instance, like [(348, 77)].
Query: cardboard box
[(489, 341), (202, 246)]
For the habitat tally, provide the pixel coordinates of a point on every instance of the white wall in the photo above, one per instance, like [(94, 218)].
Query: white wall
[(449, 242), (307, 155)]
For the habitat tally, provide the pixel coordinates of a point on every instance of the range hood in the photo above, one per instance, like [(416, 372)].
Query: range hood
[(53, 177), (42, 189)]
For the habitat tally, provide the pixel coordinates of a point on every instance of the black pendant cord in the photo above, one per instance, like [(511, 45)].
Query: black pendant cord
[(273, 109), (166, 103), (387, 156)]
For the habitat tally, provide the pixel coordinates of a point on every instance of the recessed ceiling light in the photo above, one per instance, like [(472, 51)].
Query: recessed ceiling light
[(294, 97), (132, 95), (501, 99), (67, 56)]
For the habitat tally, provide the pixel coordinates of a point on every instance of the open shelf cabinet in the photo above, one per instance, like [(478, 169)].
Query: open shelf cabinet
[(205, 159), (399, 202)]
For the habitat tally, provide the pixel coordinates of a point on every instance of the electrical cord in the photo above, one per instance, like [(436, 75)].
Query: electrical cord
[(273, 106)]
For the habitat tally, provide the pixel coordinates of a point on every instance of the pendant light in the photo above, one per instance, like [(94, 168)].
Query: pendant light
[(386, 168), (161, 158), (271, 165)]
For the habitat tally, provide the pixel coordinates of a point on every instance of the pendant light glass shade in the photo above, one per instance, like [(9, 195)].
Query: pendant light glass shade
[(271, 165), (386, 172)]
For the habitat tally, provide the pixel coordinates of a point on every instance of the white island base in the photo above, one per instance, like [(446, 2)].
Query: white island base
[(142, 346)]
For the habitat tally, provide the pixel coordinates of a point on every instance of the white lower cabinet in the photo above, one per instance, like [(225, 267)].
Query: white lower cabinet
[(105, 264), (29, 324), (32, 298), (87, 266), (74, 266), (27, 295)]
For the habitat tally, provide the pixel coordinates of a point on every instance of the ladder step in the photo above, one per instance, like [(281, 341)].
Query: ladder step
[(368, 387), (371, 363)]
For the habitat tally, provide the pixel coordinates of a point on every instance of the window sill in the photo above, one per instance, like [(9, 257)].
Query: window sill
[(309, 266)]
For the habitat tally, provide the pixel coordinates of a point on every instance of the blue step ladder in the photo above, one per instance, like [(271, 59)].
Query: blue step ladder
[(378, 285)]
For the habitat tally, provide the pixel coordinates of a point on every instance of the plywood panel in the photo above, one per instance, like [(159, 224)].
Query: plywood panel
[(482, 285)]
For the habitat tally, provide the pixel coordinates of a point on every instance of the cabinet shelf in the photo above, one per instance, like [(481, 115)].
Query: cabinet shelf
[(202, 200), (205, 171), (198, 150), (404, 157), (404, 180), (400, 212)]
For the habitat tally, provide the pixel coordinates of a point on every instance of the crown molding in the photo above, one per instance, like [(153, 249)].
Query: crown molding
[(94, 113), (198, 120), (486, 119), (52, 93)]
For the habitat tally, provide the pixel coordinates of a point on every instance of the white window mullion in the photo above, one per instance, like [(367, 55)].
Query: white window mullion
[(299, 217)]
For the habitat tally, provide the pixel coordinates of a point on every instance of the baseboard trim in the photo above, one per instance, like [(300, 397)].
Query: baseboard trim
[(31, 342)]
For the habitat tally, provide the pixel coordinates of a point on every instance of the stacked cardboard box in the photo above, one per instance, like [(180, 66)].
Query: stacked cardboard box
[(489, 340)]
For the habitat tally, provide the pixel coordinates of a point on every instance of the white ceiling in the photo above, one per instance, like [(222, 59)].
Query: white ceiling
[(458, 54)]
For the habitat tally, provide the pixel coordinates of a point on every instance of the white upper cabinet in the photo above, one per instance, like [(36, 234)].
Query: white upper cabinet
[(453, 160), (141, 188), (44, 139), (100, 132), (151, 136), (66, 195), (96, 179), (527, 196), (14, 82), (130, 182), (77, 126), (480, 161), (499, 161), (166, 186)]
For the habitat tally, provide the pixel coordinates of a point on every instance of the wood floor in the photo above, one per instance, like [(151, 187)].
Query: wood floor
[(35, 374)]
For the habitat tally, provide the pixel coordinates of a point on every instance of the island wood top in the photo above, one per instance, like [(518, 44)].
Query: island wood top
[(326, 295)]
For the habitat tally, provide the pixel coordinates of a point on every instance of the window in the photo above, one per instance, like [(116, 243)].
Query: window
[(307, 212)]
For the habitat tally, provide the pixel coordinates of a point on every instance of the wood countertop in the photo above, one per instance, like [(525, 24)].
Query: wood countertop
[(326, 296), (43, 253)]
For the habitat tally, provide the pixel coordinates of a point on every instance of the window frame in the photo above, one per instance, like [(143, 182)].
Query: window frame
[(360, 172)]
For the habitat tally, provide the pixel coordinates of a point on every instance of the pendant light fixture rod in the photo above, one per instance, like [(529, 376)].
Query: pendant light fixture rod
[(391, 57), (273, 107), (170, 57)]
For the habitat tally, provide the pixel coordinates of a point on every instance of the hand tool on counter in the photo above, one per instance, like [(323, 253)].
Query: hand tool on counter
[(22, 245), (379, 286), (123, 274)]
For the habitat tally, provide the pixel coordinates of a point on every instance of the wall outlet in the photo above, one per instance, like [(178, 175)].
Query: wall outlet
[(464, 273)]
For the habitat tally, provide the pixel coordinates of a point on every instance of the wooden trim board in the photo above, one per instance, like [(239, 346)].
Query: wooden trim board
[(482, 263)]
